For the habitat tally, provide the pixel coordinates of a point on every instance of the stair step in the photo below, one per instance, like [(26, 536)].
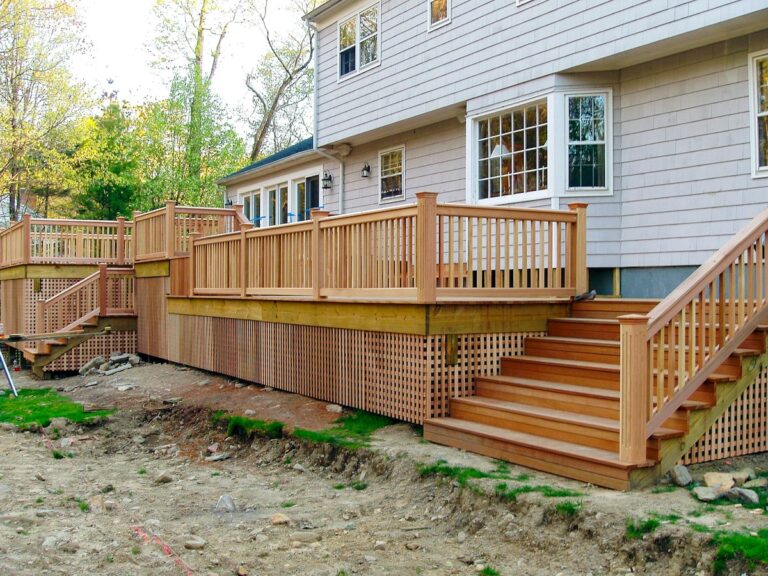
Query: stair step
[(612, 308), (593, 465)]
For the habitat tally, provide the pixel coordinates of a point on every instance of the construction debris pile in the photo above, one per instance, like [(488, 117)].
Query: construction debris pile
[(117, 363)]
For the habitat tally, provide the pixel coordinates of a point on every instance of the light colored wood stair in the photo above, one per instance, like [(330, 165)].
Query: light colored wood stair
[(556, 407)]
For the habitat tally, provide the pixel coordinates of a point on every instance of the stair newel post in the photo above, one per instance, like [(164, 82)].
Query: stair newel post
[(40, 327), (120, 240), (102, 290), (634, 388), (27, 238), (191, 280), (318, 264), (170, 229), (579, 273), (238, 217), (426, 246)]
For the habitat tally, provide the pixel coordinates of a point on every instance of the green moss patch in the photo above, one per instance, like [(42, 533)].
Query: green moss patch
[(246, 428), (352, 430), (41, 406), (752, 549)]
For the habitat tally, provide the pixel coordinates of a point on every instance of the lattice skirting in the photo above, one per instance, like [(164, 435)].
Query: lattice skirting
[(741, 430), (96, 346), (409, 377)]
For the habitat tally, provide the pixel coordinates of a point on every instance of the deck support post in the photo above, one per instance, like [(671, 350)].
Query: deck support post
[(579, 249), (102, 290), (634, 389), (318, 265), (170, 229), (191, 280), (120, 240), (426, 246), (27, 241)]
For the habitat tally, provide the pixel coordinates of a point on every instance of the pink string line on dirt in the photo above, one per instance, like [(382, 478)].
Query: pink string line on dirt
[(142, 535)]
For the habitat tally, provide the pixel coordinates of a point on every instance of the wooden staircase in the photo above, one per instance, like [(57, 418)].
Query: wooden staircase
[(556, 408)]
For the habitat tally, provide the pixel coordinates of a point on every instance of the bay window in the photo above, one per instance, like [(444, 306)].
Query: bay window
[(587, 162)]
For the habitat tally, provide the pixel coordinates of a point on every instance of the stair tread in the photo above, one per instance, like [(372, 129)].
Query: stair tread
[(615, 343), (605, 457), (558, 415), (575, 389)]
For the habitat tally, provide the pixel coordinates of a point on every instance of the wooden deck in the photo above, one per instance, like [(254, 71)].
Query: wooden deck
[(458, 317)]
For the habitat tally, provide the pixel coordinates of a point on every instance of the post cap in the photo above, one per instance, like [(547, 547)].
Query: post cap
[(633, 319), (577, 205), (426, 195)]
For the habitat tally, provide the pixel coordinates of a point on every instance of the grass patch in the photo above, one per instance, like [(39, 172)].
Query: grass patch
[(358, 485), (135, 550), (463, 474), (141, 471), (636, 530), (488, 571), (568, 508), (38, 407), (246, 428), (214, 474), (664, 489), (351, 431), (288, 504), (84, 506), (696, 527), (339, 486), (751, 548), (510, 494)]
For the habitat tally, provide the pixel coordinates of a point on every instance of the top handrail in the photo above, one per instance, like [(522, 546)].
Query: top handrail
[(715, 265)]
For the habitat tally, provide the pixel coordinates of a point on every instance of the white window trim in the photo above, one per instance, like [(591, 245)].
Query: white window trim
[(472, 146), (293, 200), (521, 2), (378, 187), (370, 65), (754, 142), (607, 190), (430, 26)]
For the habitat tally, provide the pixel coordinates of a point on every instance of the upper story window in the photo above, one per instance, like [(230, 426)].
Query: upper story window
[(512, 152), (391, 173), (758, 84), (439, 12), (359, 41), (588, 125)]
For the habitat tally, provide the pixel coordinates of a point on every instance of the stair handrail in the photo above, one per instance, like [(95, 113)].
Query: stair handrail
[(667, 354)]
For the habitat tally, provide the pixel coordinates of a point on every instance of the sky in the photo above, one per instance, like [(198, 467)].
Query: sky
[(120, 33)]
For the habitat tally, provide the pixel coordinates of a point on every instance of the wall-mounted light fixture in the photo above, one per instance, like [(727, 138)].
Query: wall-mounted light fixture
[(228, 202), (366, 170), (327, 180)]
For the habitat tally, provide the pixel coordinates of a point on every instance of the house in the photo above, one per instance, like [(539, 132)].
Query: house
[(653, 112)]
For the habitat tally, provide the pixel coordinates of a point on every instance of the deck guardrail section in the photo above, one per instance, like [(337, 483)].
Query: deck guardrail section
[(669, 353)]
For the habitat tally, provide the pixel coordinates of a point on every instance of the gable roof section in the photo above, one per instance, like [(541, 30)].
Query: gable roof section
[(326, 6), (300, 148)]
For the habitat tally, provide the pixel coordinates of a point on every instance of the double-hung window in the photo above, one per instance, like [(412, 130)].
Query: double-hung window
[(512, 152), (359, 41), (439, 12), (588, 161), (391, 174), (758, 85)]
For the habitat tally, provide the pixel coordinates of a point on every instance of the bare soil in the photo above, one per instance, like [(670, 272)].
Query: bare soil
[(103, 511)]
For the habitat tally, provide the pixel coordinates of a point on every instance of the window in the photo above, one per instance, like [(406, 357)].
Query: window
[(512, 152), (256, 216), (758, 82), (278, 205), (391, 163), (307, 197), (247, 207), (439, 12), (587, 148), (359, 41)]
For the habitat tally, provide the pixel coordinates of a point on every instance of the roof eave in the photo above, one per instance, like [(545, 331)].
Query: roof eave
[(282, 162), (322, 9)]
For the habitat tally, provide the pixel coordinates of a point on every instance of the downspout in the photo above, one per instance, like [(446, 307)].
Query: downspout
[(315, 107)]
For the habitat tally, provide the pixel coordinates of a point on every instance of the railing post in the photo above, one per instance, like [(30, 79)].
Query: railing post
[(27, 238), (318, 265), (426, 238), (244, 258), (121, 240), (579, 250), (634, 388), (238, 216), (191, 280), (135, 235), (102, 290), (39, 318), (170, 229)]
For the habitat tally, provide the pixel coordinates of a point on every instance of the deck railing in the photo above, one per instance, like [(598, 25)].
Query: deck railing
[(107, 292), (669, 353), (48, 241), (423, 252), (164, 233)]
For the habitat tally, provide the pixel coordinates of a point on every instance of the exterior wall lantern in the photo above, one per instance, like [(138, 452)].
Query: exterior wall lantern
[(366, 170), (327, 180)]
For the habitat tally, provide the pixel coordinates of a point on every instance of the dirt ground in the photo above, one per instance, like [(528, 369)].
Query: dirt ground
[(137, 496)]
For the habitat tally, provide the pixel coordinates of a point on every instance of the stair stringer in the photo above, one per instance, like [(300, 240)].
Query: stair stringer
[(700, 421)]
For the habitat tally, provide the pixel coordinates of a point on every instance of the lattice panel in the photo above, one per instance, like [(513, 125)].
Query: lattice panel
[(48, 288), (122, 341), (742, 429), (151, 305), (456, 360)]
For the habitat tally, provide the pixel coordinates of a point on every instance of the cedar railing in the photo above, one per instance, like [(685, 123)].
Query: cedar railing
[(108, 292), (422, 252), (164, 233), (668, 354), (48, 241)]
